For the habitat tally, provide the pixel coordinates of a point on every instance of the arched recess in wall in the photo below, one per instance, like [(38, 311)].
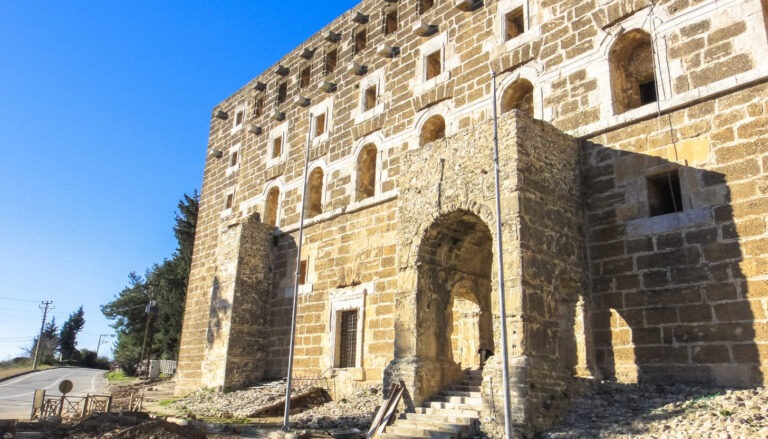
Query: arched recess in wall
[(272, 206), (315, 189), (433, 129), (432, 125), (518, 92), (631, 64), (366, 178), (518, 96)]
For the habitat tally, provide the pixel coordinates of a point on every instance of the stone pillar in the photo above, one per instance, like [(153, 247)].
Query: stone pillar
[(239, 312)]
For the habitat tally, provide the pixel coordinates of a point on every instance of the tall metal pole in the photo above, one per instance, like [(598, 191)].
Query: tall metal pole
[(45, 306), (98, 345), (287, 410), (502, 304)]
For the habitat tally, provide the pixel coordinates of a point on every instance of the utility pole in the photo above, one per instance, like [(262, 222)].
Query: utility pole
[(44, 306), (98, 345)]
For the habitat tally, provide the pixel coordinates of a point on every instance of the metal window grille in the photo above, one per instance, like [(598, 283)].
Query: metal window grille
[(348, 339)]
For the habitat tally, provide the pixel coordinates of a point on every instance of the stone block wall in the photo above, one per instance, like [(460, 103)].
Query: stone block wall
[(681, 296), (674, 296)]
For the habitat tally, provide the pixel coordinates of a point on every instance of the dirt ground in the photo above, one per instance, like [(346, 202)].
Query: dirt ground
[(144, 410)]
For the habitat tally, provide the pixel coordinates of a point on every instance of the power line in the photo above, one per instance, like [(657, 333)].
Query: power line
[(18, 300)]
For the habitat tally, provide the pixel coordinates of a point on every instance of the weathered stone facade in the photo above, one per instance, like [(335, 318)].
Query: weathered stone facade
[(634, 179)]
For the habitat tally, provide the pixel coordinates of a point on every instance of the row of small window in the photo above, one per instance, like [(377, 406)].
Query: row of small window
[(366, 179), (514, 25)]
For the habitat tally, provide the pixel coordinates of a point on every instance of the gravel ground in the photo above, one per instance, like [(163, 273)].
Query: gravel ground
[(658, 411), (604, 410)]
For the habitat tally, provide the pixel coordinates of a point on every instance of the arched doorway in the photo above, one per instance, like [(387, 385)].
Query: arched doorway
[(453, 297)]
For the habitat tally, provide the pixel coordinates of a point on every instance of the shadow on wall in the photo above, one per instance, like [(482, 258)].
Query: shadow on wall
[(284, 248), (671, 302), (219, 311)]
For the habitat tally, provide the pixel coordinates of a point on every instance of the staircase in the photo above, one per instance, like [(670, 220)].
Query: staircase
[(453, 413)]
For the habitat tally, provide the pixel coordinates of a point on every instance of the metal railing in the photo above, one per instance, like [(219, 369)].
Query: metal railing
[(46, 406)]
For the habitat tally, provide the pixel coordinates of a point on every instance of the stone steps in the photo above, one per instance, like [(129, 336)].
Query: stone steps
[(452, 413)]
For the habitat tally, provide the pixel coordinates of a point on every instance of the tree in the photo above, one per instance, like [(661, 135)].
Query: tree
[(68, 335), (167, 284), (48, 345)]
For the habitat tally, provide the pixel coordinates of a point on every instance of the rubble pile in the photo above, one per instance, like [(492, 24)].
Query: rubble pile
[(612, 410)]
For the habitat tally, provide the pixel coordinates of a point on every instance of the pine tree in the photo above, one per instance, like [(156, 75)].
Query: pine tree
[(167, 284), (68, 335)]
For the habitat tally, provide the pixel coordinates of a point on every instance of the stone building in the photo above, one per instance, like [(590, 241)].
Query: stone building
[(634, 172)]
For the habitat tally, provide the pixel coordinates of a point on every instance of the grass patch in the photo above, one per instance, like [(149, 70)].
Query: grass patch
[(167, 402), (119, 377)]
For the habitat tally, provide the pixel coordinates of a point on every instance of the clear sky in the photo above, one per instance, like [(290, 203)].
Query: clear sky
[(104, 115)]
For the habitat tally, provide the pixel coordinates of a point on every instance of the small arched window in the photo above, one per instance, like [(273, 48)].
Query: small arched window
[(366, 172), (518, 96), (314, 205), (633, 81), (271, 206), (433, 129)]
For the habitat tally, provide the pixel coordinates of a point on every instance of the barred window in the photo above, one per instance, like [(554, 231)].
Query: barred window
[(348, 339)]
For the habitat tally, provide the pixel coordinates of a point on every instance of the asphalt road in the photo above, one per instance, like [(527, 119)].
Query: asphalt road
[(16, 394)]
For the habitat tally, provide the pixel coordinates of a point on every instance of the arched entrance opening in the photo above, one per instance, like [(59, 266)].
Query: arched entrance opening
[(454, 319)]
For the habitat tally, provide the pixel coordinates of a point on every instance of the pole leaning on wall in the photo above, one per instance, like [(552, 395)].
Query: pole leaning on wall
[(289, 381), (502, 304)]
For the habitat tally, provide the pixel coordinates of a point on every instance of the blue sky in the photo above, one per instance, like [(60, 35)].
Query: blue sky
[(104, 115)]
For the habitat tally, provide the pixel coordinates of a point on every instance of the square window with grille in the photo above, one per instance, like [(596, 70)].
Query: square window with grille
[(664, 193), (348, 339)]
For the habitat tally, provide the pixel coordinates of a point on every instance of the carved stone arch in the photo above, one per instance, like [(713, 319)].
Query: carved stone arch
[(484, 212)]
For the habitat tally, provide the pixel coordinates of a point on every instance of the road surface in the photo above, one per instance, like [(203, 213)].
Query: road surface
[(16, 394)]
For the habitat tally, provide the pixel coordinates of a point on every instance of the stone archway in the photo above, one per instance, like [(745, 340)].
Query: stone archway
[(453, 296)]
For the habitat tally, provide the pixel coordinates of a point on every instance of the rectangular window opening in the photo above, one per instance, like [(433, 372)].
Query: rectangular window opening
[(230, 201), (330, 61), (434, 65), (390, 22), (369, 98), (514, 23), (647, 92), (303, 272), (239, 117), (233, 158), (664, 193), (277, 146), (319, 124), (361, 39), (304, 78), (348, 339), (258, 107), (282, 93), (425, 5)]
